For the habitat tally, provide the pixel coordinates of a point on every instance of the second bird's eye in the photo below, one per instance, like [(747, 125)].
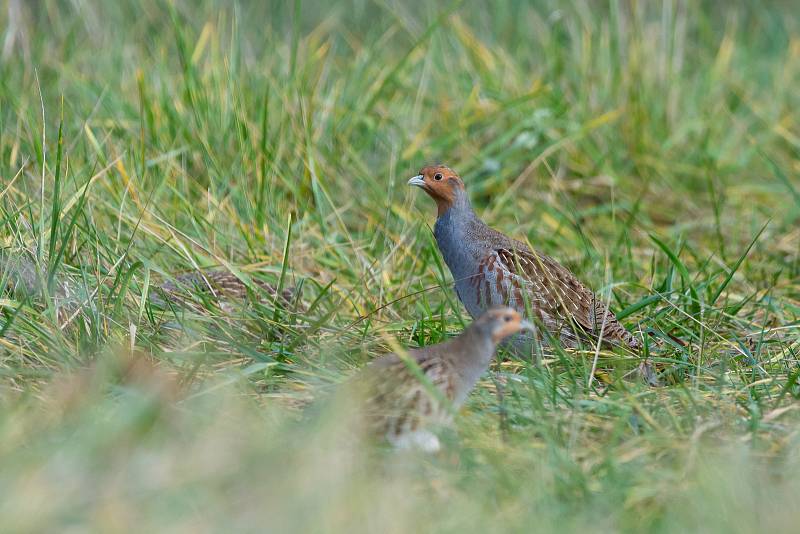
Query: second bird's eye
[(437, 176)]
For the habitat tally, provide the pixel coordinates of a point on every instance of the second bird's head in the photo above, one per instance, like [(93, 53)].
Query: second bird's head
[(501, 322), (441, 183)]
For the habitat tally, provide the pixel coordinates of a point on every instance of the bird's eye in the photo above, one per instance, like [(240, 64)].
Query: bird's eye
[(437, 176), (508, 318)]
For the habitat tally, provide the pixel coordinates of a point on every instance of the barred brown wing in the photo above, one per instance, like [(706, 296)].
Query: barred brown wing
[(559, 298), (397, 402)]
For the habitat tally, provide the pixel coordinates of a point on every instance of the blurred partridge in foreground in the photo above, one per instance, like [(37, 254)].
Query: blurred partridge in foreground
[(402, 397), (491, 269)]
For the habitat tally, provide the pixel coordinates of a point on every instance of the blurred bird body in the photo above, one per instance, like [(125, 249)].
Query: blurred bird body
[(21, 274), (404, 396), (218, 284)]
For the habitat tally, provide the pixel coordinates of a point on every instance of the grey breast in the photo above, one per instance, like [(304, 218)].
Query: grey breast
[(460, 257)]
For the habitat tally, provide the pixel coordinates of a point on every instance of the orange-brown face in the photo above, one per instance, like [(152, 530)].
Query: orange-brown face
[(441, 183), (505, 322)]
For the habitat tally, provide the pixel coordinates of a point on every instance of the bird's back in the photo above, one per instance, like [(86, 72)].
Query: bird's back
[(497, 269), (403, 395)]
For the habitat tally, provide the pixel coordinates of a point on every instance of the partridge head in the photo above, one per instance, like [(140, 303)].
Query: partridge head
[(441, 183), (492, 269)]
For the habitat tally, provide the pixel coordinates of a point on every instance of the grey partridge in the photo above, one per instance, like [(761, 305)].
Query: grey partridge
[(21, 274), (218, 284), (402, 397), (491, 269)]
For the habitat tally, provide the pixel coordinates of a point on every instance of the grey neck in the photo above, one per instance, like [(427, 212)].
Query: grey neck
[(452, 231), (474, 353)]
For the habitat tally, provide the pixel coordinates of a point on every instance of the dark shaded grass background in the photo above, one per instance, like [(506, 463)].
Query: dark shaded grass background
[(652, 147)]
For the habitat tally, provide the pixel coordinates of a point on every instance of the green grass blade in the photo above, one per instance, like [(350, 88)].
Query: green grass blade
[(736, 266), (684, 272)]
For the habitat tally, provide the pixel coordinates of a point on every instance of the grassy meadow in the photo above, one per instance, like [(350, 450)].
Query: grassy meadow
[(651, 147)]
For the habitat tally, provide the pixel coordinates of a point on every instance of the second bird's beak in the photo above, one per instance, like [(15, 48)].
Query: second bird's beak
[(418, 180), (526, 325)]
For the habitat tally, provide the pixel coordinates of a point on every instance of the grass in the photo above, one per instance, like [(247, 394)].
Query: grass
[(652, 147)]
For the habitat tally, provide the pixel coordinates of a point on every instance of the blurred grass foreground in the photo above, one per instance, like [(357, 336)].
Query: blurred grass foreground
[(652, 147)]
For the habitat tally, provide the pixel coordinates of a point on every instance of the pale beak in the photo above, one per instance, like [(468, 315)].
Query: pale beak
[(418, 180), (526, 325)]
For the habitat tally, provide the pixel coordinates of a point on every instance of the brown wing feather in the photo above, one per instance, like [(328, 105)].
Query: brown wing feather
[(396, 402), (562, 295)]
